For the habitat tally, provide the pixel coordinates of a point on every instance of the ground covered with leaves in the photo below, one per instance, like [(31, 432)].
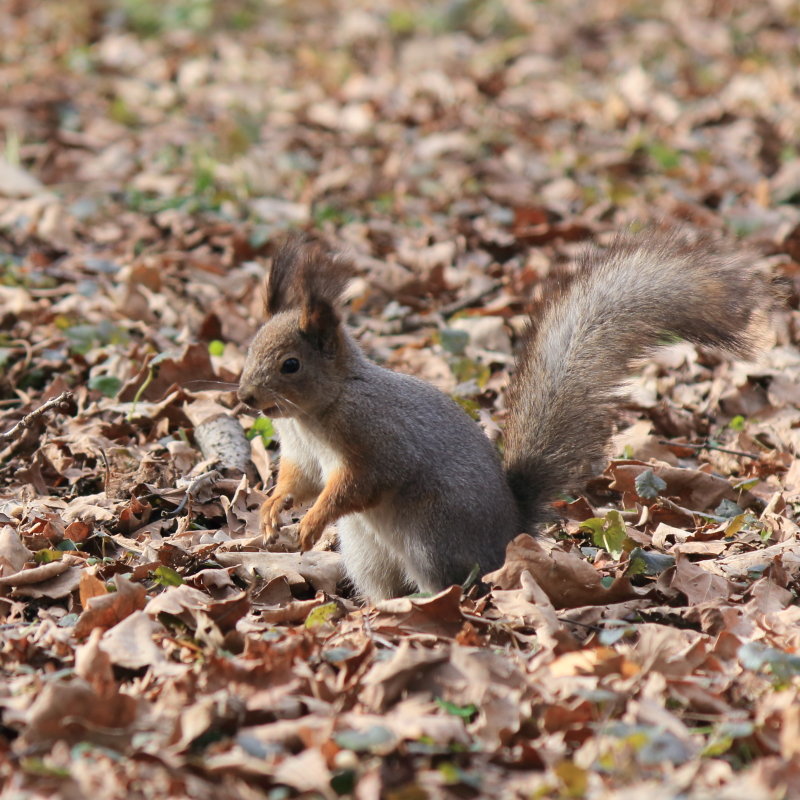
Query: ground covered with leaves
[(151, 154)]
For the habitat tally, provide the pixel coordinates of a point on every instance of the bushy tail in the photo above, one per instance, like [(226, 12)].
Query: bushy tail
[(622, 303)]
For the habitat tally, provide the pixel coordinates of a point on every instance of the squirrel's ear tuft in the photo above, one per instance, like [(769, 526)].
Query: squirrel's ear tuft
[(305, 275), (319, 323)]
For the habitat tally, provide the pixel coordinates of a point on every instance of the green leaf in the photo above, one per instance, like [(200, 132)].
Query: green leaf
[(343, 781), (725, 735), (467, 370), (575, 779), (735, 525), (644, 562), (454, 341), (737, 423), (728, 509), (263, 427), (166, 576), (35, 766), (609, 533), (216, 347), (649, 485), (107, 385), (450, 773), (66, 545), (666, 157), (46, 555), (365, 740), (465, 712), (472, 407), (321, 614)]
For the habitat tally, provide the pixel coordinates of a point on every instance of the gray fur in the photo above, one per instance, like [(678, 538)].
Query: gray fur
[(445, 505), (622, 303)]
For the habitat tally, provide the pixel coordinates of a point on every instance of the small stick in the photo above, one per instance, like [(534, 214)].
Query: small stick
[(709, 446), (415, 321), (28, 420), (107, 479)]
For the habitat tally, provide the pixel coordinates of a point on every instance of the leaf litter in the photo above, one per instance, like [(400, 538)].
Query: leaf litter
[(152, 153)]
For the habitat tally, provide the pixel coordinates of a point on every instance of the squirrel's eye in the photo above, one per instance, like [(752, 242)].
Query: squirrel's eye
[(290, 365)]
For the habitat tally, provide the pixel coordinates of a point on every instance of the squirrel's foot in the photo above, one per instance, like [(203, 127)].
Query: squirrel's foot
[(310, 531), (269, 517)]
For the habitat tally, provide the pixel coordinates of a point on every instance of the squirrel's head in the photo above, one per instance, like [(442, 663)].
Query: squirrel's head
[(293, 365)]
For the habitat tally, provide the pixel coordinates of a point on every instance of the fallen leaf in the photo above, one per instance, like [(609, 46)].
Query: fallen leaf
[(105, 611)]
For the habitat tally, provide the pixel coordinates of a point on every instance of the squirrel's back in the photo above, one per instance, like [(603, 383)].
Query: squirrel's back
[(620, 304)]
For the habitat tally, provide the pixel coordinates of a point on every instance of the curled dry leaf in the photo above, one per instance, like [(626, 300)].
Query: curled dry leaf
[(439, 615), (13, 553), (531, 606), (130, 644), (54, 580), (565, 578), (319, 569), (695, 489), (193, 607), (89, 707), (38, 574), (105, 611)]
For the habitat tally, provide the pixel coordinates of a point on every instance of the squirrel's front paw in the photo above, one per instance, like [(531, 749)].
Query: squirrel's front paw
[(269, 517), (309, 531)]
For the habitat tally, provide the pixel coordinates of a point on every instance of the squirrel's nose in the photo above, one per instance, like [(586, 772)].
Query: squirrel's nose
[(247, 395)]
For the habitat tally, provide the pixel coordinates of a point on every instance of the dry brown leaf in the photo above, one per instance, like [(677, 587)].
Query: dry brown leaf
[(567, 579), (386, 681), (693, 489), (698, 584), (318, 568), (13, 553), (530, 605), (105, 611), (439, 615), (87, 708), (91, 586), (130, 643)]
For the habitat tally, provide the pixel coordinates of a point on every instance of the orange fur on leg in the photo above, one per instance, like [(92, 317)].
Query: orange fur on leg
[(344, 493), (293, 487)]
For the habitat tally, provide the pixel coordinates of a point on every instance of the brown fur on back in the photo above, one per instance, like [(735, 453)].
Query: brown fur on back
[(620, 305)]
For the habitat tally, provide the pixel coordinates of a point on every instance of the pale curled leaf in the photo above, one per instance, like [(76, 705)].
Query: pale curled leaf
[(567, 579)]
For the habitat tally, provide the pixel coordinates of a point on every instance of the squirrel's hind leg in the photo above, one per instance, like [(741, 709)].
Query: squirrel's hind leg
[(375, 570)]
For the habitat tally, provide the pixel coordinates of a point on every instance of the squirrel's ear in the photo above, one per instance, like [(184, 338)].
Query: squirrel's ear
[(319, 323)]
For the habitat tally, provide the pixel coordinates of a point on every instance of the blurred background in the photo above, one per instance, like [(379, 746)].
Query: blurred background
[(151, 150)]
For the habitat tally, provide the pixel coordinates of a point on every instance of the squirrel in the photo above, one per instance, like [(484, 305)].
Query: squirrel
[(420, 495)]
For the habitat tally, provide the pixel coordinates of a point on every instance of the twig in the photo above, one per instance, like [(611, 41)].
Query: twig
[(193, 487), (469, 300), (667, 503), (28, 420), (709, 446), (107, 478), (415, 321), (376, 637)]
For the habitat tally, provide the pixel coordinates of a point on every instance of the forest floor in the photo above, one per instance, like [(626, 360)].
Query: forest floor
[(152, 152)]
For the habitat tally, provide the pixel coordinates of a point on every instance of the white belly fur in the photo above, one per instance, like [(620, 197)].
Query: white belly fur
[(371, 542), (314, 456)]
